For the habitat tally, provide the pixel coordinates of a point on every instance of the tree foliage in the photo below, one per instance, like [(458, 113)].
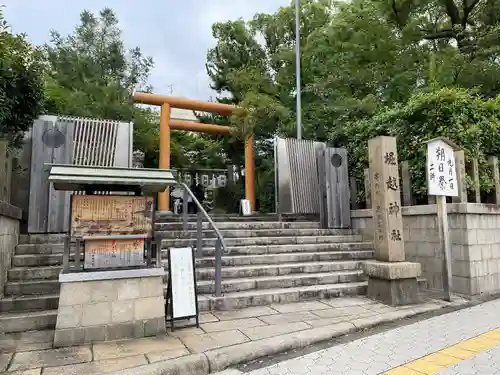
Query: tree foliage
[(369, 67), (21, 84)]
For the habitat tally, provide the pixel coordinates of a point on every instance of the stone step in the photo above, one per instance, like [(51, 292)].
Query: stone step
[(238, 225), (279, 282), (34, 260), (210, 242), (240, 260), (42, 248), (162, 217), (39, 260), (35, 287), (42, 238), (29, 303), (287, 249), (250, 233), (28, 321), (254, 271), (239, 300), (34, 273)]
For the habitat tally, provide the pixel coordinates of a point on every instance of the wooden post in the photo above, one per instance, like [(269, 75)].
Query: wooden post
[(493, 160), (444, 240), (250, 172), (354, 193), (368, 190), (461, 177), (475, 179), (442, 182), (406, 181), (163, 198)]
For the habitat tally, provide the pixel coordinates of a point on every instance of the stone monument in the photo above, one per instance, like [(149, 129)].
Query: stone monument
[(391, 280)]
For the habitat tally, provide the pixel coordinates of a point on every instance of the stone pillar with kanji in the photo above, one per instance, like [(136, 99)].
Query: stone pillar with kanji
[(391, 280)]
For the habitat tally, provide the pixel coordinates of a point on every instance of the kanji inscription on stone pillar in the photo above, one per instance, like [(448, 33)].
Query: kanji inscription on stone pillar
[(386, 199)]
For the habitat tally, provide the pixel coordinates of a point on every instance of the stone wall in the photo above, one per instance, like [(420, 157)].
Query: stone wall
[(474, 237), (109, 309), (9, 236)]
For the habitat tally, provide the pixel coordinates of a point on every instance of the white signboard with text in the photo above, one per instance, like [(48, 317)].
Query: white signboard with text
[(441, 170), (183, 288)]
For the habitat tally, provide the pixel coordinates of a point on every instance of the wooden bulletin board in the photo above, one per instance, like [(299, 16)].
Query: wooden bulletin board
[(97, 215), (114, 253)]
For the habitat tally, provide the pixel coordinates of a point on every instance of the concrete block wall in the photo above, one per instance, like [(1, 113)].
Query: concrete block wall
[(10, 217), (104, 310), (475, 244)]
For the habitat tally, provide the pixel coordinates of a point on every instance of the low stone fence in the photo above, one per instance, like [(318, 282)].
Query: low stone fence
[(475, 244), (10, 217)]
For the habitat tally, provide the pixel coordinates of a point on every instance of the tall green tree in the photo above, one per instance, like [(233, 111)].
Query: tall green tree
[(359, 59), (21, 83), (92, 74)]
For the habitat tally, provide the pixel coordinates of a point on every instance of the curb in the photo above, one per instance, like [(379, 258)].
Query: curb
[(223, 358), (193, 364)]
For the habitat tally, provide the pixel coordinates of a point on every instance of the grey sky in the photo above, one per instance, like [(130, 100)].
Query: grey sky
[(177, 33)]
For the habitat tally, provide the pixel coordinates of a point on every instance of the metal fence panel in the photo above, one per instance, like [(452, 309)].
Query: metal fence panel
[(70, 140), (298, 184)]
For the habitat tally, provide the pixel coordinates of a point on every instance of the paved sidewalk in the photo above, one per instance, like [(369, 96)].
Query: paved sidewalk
[(462, 342), (226, 338)]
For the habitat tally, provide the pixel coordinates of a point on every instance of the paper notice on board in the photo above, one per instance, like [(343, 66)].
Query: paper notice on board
[(441, 169)]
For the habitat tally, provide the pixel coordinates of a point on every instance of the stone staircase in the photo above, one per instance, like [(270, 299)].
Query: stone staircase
[(266, 262)]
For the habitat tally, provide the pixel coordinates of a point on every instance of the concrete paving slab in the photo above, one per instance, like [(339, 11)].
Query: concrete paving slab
[(50, 358), (347, 301), (165, 355), (229, 372), (215, 340), (326, 322), (342, 311), (125, 348), (227, 325), (98, 367), (4, 361), (188, 331), (35, 371), (257, 333), (289, 318), (300, 306), (249, 312), (206, 317)]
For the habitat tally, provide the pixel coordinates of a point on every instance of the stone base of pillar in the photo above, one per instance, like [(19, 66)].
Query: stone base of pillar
[(393, 283)]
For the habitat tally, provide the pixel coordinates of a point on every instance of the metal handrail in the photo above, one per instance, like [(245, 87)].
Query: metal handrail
[(220, 246)]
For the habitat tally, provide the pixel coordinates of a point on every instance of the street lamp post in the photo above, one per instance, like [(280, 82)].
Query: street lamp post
[(297, 68)]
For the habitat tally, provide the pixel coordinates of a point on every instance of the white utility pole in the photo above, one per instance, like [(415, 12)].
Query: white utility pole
[(297, 68)]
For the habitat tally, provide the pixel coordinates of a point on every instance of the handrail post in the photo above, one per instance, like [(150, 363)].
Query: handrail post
[(185, 198), (67, 246), (218, 268), (77, 255), (199, 234)]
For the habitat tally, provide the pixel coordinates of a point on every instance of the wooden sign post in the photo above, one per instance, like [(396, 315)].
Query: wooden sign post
[(442, 182)]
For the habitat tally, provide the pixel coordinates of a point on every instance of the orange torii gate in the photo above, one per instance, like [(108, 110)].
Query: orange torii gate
[(167, 124)]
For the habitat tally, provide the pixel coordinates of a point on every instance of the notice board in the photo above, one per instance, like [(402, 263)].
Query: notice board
[(182, 283), (114, 253), (97, 215)]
